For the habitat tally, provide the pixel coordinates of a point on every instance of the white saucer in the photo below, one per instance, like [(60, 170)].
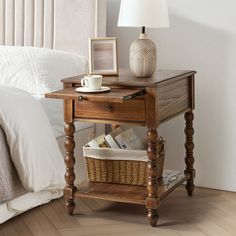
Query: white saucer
[(87, 90)]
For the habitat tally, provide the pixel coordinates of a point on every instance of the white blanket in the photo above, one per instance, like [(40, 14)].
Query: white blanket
[(34, 150)]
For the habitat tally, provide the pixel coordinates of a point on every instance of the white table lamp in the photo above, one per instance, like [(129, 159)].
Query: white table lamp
[(143, 13)]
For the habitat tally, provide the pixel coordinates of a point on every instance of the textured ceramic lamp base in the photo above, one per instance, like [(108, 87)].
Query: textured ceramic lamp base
[(143, 57)]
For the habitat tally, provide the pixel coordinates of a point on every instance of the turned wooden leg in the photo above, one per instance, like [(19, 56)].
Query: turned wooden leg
[(152, 201), (70, 189), (189, 146)]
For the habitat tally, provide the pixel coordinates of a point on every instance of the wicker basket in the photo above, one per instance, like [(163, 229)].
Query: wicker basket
[(120, 166)]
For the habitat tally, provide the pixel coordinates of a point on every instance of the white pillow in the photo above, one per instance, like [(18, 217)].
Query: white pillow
[(38, 70)]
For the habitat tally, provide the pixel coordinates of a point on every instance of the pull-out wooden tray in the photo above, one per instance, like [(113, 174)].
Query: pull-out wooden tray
[(114, 95)]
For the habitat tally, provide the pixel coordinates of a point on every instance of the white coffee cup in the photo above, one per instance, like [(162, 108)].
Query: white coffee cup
[(93, 82)]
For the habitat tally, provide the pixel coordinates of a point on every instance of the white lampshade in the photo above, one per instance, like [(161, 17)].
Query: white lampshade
[(148, 13)]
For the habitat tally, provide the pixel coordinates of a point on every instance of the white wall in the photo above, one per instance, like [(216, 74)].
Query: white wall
[(202, 37)]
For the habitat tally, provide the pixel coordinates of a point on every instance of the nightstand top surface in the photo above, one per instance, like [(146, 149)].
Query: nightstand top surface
[(125, 78)]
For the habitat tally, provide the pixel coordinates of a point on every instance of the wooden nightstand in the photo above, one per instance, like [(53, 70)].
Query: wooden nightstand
[(136, 101)]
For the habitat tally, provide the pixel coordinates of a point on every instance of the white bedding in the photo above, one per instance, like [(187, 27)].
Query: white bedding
[(33, 147), (38, 70), (37, 158), (26, 202), (54, 111)]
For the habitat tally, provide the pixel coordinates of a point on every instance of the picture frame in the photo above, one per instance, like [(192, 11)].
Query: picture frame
[(103, 56)]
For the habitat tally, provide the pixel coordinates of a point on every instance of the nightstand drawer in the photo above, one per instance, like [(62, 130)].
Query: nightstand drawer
[(130, 111)]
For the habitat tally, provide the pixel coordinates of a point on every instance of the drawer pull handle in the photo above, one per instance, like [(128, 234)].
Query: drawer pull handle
[(108, 108), (80, 98)]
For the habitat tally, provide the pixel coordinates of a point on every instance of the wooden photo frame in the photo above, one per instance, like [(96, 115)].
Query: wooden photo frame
[(103, 58)]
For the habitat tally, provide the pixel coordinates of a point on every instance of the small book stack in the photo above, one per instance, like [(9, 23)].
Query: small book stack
[(119, 139)]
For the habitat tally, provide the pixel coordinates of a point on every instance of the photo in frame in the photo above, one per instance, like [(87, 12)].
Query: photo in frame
[(103, 58)]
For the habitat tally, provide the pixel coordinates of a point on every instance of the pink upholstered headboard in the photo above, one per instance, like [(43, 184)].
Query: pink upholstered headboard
[(57, 24)]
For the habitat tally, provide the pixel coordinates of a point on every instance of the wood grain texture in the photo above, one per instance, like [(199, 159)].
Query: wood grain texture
[(174, 98), (209, 213), (192, 92), (152, 108), (1, 232), (115, 95), (112, 192), (123, 193), (39, 224), (126, 78), (133, 110), (54, 211), (68, 110), (15, 228)]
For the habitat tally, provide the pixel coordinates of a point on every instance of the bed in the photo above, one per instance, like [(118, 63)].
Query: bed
[(58, 25)]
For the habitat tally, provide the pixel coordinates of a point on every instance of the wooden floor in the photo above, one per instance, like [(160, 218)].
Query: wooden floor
[(209, 212)]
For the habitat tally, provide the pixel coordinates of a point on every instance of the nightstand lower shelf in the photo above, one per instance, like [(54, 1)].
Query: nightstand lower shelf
[(125, 193)]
